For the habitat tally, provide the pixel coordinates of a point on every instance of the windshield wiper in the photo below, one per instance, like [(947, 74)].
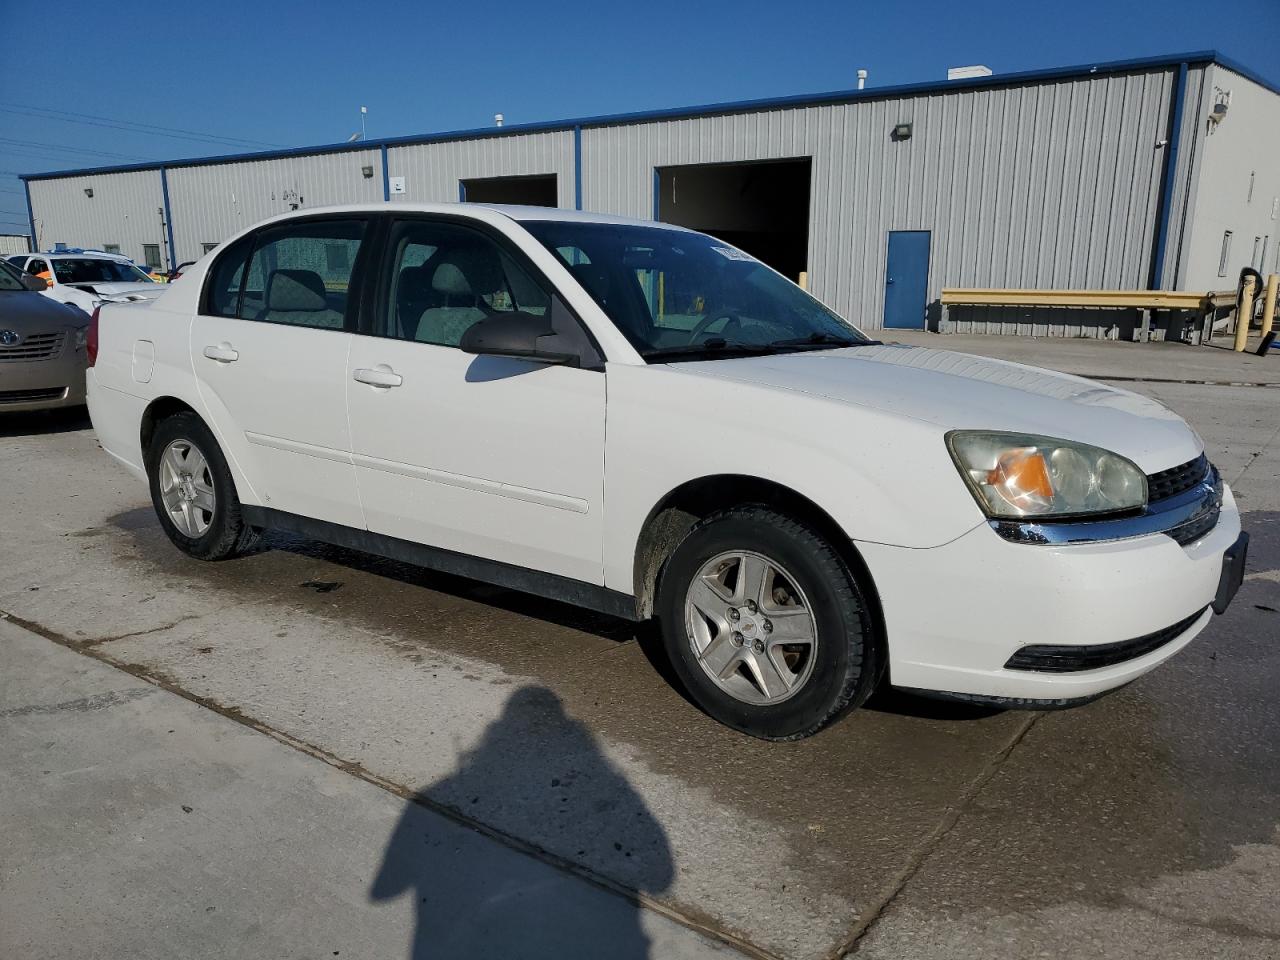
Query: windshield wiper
[(824, 340), (715, 347)]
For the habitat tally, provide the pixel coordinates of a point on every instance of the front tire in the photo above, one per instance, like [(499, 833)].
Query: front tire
[(193, 492), (766, 625)]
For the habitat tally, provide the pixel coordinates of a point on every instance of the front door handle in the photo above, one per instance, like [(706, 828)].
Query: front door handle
[(222, 353), (379, 376)]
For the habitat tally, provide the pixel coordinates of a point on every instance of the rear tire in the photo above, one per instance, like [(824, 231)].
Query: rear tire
[(766, 625), (193, 492)]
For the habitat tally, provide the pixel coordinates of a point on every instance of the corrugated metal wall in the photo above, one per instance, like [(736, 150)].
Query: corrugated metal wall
[(1051, 183), (211, 203), (11, 243), (1046, 185), (432, 170), (122, 210)]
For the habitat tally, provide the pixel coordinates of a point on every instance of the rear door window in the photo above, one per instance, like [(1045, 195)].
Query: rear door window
[(300, 274)]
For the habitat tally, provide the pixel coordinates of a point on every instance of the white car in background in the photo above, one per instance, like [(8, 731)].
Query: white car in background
[(646, 421), (86, 279)]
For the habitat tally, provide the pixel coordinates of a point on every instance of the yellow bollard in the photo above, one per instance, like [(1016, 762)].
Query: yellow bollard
[(1245, 314), (1269, 303)]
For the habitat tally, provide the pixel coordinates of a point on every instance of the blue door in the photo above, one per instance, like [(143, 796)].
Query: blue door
[(906, 279)]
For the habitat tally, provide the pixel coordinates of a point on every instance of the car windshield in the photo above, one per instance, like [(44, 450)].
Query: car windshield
[(678, 295), (10, 278), (93, 270)]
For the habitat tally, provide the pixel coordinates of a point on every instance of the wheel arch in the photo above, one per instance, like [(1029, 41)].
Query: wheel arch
[(679, 510), (161, 408)]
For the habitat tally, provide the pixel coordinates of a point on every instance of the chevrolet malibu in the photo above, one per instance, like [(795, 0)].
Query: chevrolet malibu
[(646, 421)]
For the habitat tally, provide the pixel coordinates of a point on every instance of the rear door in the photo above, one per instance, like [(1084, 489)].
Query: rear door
[(269, 348), (493, 457)]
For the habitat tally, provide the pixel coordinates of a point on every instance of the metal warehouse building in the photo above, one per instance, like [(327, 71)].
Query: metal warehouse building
[(1145, 174)]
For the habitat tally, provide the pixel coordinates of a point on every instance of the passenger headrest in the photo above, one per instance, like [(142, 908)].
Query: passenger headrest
[(450, 280), (296, 290), (468, 270)]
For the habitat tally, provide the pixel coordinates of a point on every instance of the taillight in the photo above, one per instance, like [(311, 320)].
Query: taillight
[(91, 342)]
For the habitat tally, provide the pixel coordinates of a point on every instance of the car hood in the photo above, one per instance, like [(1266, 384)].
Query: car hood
[(26, 312), (142, 290), (961, 391)]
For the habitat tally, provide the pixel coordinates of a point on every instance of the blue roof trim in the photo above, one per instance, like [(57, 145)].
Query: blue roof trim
[(681, 113)]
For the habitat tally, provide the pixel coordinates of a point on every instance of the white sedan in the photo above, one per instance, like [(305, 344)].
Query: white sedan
[(646, 421), (86, 279)]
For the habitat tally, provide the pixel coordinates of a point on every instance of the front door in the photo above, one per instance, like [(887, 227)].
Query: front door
[(492, 457), (906, 279), (269, 349)]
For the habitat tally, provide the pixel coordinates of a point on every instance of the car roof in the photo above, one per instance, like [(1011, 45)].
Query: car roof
[(87, 255), (512, 211)]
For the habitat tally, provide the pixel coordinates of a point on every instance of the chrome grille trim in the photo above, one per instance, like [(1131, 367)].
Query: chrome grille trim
[(35, 346)]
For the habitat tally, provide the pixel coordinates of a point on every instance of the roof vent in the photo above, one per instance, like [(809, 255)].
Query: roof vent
[(968, 73)]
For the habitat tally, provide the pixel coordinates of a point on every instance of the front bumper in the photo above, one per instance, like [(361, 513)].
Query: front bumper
[(956, 614), (43, 384)]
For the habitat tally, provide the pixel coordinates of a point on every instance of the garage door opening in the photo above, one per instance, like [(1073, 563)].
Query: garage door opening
[(535, 191), (761, 207)]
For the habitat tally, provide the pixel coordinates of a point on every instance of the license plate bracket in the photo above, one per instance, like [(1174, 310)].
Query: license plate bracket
[(1233, 562)]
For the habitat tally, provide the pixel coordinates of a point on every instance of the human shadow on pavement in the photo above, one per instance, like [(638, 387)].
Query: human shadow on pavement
[(476, 897)]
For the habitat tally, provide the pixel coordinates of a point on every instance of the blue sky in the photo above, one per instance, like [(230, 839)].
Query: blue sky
[(292, 74)]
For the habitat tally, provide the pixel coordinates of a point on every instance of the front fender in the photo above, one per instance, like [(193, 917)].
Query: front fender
[(883, 477)]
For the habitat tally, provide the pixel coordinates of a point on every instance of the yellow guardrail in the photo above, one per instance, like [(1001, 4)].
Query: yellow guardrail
[(1141, 299), (1207, 304)]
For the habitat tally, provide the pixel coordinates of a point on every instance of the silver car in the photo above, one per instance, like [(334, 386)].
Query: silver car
[(42, 347)]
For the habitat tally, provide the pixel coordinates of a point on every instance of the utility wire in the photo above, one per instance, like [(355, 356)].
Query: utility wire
[(89, 119), (40, 144)]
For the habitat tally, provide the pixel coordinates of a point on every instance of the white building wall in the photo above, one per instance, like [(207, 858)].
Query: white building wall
[(212, 202), (1238, 184), (124, 210), (11, 243), (432, 171)]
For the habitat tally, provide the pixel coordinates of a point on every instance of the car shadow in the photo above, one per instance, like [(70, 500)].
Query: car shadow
[(34, 423), (476, 898), (553, 611)]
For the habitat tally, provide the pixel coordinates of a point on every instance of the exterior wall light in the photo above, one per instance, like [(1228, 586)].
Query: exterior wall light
[(367, 172), (88, 192), (902, 131)]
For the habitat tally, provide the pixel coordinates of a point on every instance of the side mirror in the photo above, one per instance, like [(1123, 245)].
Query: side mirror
[(520, 335), (34, 283)]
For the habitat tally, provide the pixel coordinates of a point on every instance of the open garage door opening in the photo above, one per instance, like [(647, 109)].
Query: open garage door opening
[(760, 207), (534, 191)]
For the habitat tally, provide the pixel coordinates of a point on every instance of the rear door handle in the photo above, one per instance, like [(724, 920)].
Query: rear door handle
[(222, 353), (379, 376)]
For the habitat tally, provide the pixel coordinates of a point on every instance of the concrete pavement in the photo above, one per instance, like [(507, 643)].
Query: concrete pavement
[(1142, 825), (139, 824)]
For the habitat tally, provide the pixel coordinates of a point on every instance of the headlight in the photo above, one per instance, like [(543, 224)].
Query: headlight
[(1020, 475)]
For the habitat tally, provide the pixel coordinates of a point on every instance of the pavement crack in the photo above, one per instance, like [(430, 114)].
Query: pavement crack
[(1256, 455), (916, 860), (98, 641), (99, 701)]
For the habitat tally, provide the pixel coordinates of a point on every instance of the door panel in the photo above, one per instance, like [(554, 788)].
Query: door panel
[(269, 349), (279, 409), (498, 458), (906, 281)]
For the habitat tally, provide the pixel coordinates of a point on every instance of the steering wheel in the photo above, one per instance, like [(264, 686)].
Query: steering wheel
[(705, 323)]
